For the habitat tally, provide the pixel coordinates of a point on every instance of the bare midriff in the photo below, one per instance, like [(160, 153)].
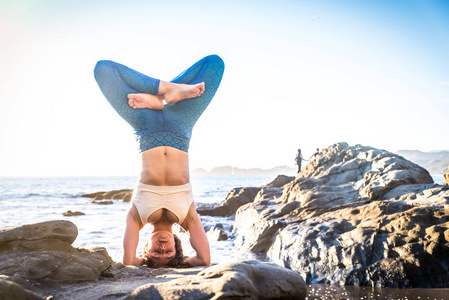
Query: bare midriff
[(165, 166)]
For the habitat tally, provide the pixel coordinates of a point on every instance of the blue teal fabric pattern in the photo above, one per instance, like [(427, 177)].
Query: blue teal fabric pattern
[(172, 126)]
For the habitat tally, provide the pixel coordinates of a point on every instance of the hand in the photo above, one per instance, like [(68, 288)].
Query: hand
[(194, 261), (138, 261)]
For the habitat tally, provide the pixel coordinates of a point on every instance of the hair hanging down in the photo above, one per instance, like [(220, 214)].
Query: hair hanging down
[(177, 262)]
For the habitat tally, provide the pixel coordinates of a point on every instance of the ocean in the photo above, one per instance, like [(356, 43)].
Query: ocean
[(25, 200)]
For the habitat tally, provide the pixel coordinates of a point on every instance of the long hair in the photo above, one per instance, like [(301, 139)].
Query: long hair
[(177, 262)]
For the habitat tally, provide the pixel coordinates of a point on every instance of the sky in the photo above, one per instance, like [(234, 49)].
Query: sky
[(299, 74)]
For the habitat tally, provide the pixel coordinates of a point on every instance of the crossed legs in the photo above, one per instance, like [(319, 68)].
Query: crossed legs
[(128, 91)]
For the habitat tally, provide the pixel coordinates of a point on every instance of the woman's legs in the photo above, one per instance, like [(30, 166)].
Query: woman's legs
[(186, 85), (181, 116), (173, 125), (116, 82)]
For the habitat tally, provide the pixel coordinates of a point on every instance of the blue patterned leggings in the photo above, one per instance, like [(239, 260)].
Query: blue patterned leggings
[(171, 126)]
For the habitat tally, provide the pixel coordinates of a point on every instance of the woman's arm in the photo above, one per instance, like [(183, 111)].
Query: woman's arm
[(198, 240), (131, 240)]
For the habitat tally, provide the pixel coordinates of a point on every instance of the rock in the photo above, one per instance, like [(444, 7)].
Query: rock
[(235, 198), (43, 252), (240, 280), (70, 213), (267, 193), (124, 195), (217, 233), (280, 181), (446, 177), (354, 216), (343, 174), (10, 290), (104, 202)]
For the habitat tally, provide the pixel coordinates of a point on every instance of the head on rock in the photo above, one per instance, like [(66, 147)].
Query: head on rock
[(164, 249)]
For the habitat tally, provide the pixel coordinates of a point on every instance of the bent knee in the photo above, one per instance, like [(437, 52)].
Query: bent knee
[(103, 66), (216, 61)]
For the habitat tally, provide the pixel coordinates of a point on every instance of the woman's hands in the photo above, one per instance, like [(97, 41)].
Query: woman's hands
[(138, 260), (130, 241), (194, 261), (198, 239)]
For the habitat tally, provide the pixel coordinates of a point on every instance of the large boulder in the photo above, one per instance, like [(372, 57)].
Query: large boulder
[(235, 198), (43, 252), (354, 216), (240, 280), (341, 174)]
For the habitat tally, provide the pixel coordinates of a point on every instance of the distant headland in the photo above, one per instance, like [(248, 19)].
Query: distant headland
[(434, 162)]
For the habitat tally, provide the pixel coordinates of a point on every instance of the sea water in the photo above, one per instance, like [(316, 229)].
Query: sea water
[(25, 200), (29, 200)]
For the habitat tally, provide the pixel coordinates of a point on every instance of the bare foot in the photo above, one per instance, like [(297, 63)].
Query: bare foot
[(143, 100), (174, 92)]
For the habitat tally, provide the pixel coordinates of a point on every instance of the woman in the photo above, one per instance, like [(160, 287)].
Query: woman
[(162, 115), (299, 160)]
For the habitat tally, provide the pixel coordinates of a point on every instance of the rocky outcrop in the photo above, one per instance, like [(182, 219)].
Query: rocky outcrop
[(242, 280), (235, 198), (354, 216), (240, 196), (123, 195), (43, 252)]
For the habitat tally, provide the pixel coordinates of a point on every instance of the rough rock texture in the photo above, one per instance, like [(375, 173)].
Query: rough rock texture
[(43, 252), (235, 198), (355, 216), (10, 290), (242, 280), (124, 195), (446, 177)]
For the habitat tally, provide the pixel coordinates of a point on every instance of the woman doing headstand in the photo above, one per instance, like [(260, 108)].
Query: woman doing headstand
[(163, 194)]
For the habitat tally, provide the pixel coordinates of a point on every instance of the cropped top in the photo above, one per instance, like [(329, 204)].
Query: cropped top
[(149, 198)]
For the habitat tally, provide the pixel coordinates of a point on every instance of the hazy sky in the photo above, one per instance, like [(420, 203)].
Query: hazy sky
[(299, 74)]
